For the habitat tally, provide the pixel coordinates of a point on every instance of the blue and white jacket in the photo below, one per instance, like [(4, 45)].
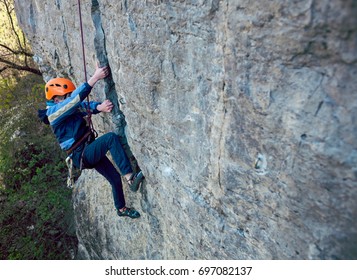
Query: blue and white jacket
[(66, 117)]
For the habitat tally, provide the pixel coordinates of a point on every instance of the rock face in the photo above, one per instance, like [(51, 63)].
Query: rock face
[(243, 118)]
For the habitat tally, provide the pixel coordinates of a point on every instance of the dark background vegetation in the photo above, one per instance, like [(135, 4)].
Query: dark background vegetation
[(36, 216)]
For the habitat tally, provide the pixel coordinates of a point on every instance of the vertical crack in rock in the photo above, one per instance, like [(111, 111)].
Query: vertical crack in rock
[(65, 40), (319, 107), (32, 19), (221, 136), (101, 53), (223, 110), (109, 89), (58, 4), (120, 123)]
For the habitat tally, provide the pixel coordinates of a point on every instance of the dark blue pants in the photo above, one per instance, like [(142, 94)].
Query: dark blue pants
[(94, 156)]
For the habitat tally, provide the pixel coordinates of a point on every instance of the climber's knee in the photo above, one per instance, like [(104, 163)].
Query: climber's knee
[(112, 138), (111, 135)]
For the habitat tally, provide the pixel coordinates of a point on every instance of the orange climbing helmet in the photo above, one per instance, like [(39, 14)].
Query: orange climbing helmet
[(58, 86)]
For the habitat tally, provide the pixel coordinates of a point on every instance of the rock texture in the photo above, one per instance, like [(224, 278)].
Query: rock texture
[(242, 115)]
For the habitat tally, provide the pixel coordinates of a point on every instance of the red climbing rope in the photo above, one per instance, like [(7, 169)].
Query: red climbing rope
[(89, 113), (82, 39)]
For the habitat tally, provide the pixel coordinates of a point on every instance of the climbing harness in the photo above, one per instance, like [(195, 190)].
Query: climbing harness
[(91, 133), (86, 139), (79, 142)]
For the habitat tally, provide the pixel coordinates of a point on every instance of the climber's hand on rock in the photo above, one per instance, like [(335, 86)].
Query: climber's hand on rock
[(106, 106), (100, 73)]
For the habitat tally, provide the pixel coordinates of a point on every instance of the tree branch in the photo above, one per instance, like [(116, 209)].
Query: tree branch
[(9, 11), (11, 65), (15, 57), (16, 51)]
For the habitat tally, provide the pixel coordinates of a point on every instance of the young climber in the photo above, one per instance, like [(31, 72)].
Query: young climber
[(65, 113)]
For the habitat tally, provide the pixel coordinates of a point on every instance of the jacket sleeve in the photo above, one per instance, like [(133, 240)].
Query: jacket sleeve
[(42, 116), (92, 107), (59, 112)]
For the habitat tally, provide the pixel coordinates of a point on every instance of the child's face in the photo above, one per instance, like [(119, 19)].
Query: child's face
[(59, 98)]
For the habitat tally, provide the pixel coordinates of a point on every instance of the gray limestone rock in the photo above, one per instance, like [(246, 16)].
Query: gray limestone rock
[(242, 116)]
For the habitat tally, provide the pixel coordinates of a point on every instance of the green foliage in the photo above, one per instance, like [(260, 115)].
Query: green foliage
[(8, 30), (36, 219), (15, 52), (20, 91)]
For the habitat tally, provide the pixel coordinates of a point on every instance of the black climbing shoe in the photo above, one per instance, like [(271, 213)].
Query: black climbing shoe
[(135, 181), (129, 212)]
